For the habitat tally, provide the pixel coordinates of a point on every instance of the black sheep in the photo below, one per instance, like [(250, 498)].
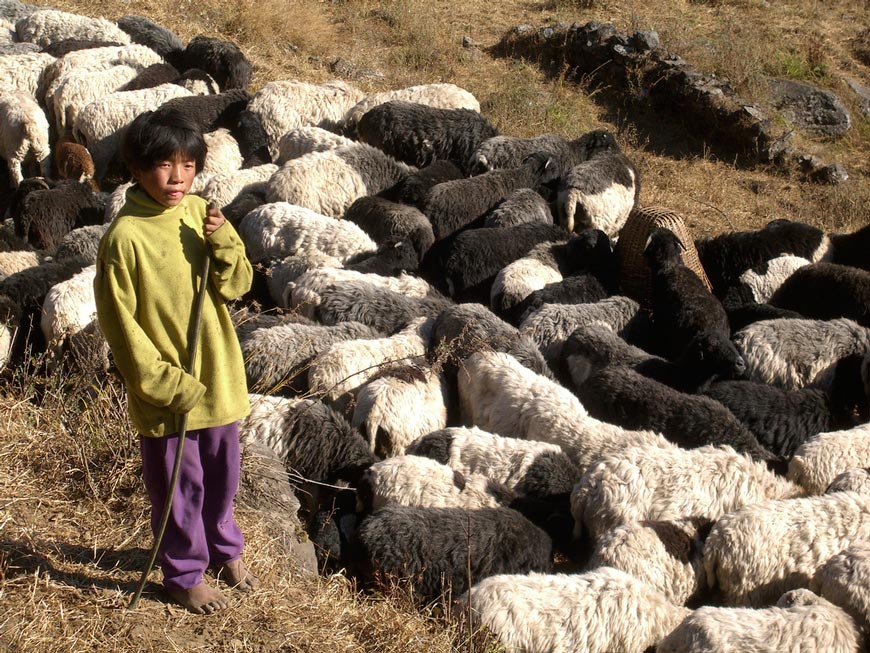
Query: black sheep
[(477, 255), (453, 205), (45, 216), (419, 134), (783, 420), (825, 291), (727, 256), (436, 548), (413, 188), (384, 220), (210, 112), (622, 396), (223, 60), (148, 33), (683, 310)]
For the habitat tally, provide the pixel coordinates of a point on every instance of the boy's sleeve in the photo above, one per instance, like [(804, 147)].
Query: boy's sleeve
[(231, 273), (145, 373)]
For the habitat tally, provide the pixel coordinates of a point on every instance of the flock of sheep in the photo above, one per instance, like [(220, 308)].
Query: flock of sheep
[(443, 355)]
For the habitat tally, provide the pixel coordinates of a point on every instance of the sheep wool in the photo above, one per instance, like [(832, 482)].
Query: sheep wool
[(757, 553), (304, 140), (665, 555), (762, 280), (420, 482), (276, 356), (15, 261), (436, 548), (23, 73), (800, 622), (795, 353), (304, 292), (527, 467), (314, 442), (49, 26), (600, 611), (399, 406), (23, 134), (844, 580), (277, 230), (443, 96), (652, 483), (285, 105), (347, 365), (856, 479), (328, 182), (223, 158), (75, 90), (223, 187), (69, 307), (819, 460), (99, 123), (499, 395)]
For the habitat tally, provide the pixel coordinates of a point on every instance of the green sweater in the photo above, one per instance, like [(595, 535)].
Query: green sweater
[(147, 280)]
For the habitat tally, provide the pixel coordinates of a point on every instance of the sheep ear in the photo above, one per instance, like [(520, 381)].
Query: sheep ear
[(683, 248), (648, 241)]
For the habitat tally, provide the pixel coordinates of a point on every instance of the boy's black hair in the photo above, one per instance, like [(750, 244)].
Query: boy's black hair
[(159, 136)]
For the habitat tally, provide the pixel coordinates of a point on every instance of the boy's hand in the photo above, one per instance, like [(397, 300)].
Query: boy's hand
[(214, 219)]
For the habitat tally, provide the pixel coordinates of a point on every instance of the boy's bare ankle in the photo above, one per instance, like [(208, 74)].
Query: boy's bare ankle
[(200, 599), (235, 574)]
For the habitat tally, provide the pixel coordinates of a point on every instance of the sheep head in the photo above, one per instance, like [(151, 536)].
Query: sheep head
[(663, 249)]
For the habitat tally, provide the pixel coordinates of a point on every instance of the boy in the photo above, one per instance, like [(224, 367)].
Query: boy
[(145, 288)]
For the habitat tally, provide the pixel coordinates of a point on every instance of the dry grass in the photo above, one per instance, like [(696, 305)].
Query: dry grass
[(73, 527)]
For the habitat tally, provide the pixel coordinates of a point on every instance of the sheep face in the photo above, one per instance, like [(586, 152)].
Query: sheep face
[(663, 248), (717, 354)]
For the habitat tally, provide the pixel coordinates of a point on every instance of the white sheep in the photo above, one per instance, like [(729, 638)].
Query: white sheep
[(421, 482), (285, 271), (757, 553), (800, 622), (99, 123), (223, 187), (796, 353), (24, 73), (15, 261), (442, 96), (284, 105), (279, 229), (7, 335), (664, 554), (844, 580), (304, 140), (347, 365), (304, 292), (399, 406), (528, 467), (69, 306), (519, 279), (223, 158), (328, 182), (855, 479), (48, 26), (819, 460), (551, 324), (763, 280), (79, 87), (498, 394), (652, 483), (23, 133), (115, 202), (600, 611), (79, 63)]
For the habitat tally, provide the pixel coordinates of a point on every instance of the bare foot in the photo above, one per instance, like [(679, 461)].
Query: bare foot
[(200, 599), (237, 576)]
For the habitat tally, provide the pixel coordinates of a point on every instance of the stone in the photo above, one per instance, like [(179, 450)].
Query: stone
[(863, 96), (810, 108), (644, 41), (265, 488)]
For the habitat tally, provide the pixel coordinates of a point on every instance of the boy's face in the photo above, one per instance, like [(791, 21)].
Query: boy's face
[(167, 182)]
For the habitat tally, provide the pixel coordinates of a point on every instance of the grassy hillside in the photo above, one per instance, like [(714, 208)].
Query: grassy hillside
[(73, 530)]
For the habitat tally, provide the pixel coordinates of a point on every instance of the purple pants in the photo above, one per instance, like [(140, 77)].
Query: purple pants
[(201, 531)]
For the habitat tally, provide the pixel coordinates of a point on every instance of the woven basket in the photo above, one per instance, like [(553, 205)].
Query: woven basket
[(635, 277)]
